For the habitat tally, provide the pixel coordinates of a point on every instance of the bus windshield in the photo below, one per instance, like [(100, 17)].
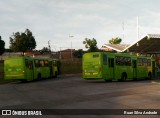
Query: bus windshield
[(14, 62)]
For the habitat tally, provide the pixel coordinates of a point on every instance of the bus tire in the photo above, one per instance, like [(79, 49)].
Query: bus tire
[(39, 76), (123, 77)]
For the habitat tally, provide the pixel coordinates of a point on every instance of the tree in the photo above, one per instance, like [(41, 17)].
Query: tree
[(116, 40), (91, 44), (22, 41), (45, 49), (78, 53), (2, 46)]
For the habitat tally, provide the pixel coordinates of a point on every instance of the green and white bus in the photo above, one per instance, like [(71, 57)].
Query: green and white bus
[(117, 66), (28, 68)]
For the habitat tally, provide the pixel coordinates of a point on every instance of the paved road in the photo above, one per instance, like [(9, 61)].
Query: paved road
[(76, 93)]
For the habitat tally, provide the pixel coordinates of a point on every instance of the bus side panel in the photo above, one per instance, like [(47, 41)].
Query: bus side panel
[(142, 72), (45, 72), (129, 72), (118, 72)]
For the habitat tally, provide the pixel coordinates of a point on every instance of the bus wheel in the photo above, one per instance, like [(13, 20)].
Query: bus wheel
[(123, 77), (39, 76)]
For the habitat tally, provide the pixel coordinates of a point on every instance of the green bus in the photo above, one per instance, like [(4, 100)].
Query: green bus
[(116, 66), (28, 68)]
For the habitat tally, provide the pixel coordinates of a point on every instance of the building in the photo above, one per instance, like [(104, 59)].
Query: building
[(66, 54), (114, 47), (148, 45)]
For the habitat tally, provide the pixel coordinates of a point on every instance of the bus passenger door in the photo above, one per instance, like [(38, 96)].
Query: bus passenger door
[(134, 65), (153, 69), (104, 70), (29, 70), (51, 68), (111, 68)]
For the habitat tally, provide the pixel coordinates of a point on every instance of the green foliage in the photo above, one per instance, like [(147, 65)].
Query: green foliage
[(78, 53), (8, 50), (116, 40), (45, 49), (91, 44), (22, 41), (2, 46)]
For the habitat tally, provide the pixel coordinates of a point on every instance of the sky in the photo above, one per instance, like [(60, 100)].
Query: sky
[(55, 21)]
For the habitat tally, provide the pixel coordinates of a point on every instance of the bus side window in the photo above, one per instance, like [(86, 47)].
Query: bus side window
[(41, 63), (144, 62), (54, 63), (29, 64), (105, 59), (119, 60), (125, 61), (37, 64), (148, 62), (140, 63), (122, 61), (46, 63), (128, 61)]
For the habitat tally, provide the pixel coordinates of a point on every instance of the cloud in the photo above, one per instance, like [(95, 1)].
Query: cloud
[(55, 20)]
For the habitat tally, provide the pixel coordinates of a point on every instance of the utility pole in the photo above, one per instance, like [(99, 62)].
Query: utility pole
[(123, 29), (137, 30), (137, 27), (71, 47), (49, 46)]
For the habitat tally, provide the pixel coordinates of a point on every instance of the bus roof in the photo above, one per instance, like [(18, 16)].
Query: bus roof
[(22, 57), (119, 54)]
